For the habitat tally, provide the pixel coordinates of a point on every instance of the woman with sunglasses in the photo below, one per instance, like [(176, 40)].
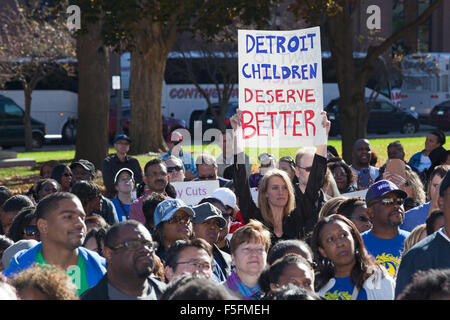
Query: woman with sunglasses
[(345, 270), (63, 174), (24, 226), (355, 209), (287, 211)]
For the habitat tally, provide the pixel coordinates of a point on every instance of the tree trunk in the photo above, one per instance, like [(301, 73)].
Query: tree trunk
[(93, 95), (27, 119), (148, 63), (352, 107)]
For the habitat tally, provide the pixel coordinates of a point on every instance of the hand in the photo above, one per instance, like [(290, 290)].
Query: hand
[(397, 179), (236, 120), (325, 122)]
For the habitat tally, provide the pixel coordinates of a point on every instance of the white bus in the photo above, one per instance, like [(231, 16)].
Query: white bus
[(425, 81)]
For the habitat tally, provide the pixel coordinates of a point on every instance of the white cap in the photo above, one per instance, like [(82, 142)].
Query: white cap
[(225, 195)]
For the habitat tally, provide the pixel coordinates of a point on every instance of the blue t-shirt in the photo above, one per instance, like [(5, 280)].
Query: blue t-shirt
[(387, 252), (415, 216), (343, 290), (120, 214)]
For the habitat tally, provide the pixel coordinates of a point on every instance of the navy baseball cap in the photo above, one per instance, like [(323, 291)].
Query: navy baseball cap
[(122, 137), (380, 188), (207, 211), (167, 209)]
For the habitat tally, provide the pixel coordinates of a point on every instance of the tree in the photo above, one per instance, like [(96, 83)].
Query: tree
[(216, 64), (34, 43), (150, 29), (338, 17)]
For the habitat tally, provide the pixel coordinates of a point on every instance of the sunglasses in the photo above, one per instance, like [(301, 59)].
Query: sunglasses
[(180, 218), (135, 245), (307, 169), (31, 230), (390, 201), (360, 218), (207, 178), (176, 168)]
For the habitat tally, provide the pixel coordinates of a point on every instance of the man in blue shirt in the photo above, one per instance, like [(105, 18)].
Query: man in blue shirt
[(385, 209)]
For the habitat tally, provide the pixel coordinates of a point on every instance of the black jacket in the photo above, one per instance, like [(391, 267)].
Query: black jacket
[(100, 291)]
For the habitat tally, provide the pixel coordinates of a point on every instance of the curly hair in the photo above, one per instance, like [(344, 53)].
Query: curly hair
[(20, 222), (49, 280), (428, 285)]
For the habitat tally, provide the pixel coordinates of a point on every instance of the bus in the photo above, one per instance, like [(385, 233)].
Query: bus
[(425, 82)]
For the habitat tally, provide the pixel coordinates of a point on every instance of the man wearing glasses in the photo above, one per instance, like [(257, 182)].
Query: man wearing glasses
[(175, 169), (189, 256), (385, 241), (60, 220), (129, 252), (207, 169), (119, 160)]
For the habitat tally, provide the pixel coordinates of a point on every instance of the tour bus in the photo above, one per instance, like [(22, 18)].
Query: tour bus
[(181, 99), (425, 81)]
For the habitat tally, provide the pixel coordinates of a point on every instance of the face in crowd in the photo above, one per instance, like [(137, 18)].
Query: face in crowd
[(387, 212), (179, 227), (175, 170), (125, 183), (156, 178), (191, 260), (206, 172), (362, 153)]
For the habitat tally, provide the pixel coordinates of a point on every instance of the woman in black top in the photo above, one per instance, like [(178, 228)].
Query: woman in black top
[(285, 210)]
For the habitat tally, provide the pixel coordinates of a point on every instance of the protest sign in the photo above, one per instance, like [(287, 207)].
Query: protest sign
[(280, 88), (191, 192), (359, 193)]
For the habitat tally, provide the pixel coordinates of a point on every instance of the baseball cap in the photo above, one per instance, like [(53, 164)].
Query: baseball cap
[(176, 137), (225, 195), (207, 211), (167, 209), (122, 137), (381, 188), (86, 164), (20, 245), (123, 170), (444, 184)]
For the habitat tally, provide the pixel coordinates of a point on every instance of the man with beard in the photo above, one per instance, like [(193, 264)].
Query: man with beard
[(156, 180), (361, 156), (385, 209), (129, 252), (60, 221)]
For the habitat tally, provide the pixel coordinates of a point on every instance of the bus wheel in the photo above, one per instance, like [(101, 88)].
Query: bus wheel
[(69, 132)]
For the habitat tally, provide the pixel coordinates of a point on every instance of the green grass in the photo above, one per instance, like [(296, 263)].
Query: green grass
[(11, 176)]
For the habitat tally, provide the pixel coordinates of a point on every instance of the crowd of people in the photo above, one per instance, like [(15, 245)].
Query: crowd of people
[(319, 229)]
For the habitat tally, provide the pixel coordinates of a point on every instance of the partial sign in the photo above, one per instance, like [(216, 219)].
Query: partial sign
[(191, 192), (280, 88)]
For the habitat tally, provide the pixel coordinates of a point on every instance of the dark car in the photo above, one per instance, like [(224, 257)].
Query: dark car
[(169, 124), (208, 120), (383, 118), (440, 116), (12, 128)]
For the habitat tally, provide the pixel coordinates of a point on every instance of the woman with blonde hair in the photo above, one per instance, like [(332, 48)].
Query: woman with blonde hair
[(417, 234), (286, 212)]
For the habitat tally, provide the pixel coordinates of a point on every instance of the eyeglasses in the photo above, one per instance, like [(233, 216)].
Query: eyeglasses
[(212, 177), (180, 218), (360, 218), (390, 201), (176, 168), (197, 264), (136, 245), (307, 169), (31, 230)]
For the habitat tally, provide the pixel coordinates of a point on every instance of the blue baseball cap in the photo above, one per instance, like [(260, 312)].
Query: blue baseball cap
[(167, 209), (121, 137), (380, 188)]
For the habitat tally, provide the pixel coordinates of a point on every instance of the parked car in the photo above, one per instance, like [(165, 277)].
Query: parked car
[(169, 124), (207, 117), (12, 127), (440, 116), (383, 118)]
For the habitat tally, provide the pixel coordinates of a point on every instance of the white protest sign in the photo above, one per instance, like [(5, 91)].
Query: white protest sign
[(191, 192), (254, 192), (359, 193), (280, 88)]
